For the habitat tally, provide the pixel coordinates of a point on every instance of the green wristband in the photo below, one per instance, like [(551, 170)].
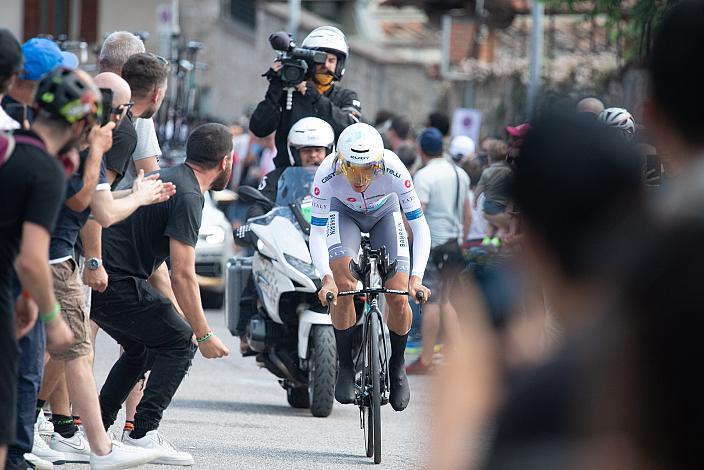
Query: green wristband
[(47, 317), (205, 338)]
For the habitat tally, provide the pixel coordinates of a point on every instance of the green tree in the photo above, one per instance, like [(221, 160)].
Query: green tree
[(630, 23)]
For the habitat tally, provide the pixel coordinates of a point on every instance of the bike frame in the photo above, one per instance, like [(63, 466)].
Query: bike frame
[(373, 269)]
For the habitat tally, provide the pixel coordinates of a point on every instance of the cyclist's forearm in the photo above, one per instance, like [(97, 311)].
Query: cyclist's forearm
[(421, 245), (319, 250)]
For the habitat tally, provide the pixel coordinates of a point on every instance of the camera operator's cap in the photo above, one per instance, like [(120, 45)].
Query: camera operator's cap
[(430, 141), (461, 147), (42, 56)]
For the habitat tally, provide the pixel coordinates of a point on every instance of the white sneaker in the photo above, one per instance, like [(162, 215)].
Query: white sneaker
[(169, 454), (43, 425), (123, 456), (39, 464), (42, 450), (75, 449)]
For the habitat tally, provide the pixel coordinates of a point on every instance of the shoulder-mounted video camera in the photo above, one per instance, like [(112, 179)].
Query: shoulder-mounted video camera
[(296, 61)]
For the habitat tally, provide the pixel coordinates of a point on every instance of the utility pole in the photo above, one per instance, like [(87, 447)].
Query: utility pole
[(294, 18), (536, 56)]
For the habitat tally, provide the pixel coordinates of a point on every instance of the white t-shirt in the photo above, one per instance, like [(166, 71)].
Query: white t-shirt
[(437, 185), (477, 229), (147, 146), (6, 122)]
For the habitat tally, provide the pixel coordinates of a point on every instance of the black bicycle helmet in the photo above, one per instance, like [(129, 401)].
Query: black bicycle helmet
[(62, 94)]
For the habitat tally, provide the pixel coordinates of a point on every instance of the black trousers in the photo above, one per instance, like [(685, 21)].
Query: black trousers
[(8, 375), (154, 338)]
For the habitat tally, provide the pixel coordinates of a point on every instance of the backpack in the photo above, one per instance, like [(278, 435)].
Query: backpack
[(8, 142)]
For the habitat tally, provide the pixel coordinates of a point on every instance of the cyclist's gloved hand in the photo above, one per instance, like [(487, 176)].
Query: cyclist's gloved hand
[(414, 286), (328, 286)]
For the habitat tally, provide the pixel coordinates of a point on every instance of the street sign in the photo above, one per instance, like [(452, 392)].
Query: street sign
[(466, 121)]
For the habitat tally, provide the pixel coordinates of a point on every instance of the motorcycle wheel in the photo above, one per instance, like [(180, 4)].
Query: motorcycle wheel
[(298, 397), (322, 360)]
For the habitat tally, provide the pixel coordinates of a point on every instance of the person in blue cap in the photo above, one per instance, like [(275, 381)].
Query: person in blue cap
[(41, 56)]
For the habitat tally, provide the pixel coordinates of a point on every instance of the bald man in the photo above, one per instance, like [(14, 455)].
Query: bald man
[(88, 193), (590, 106), (122, 94)]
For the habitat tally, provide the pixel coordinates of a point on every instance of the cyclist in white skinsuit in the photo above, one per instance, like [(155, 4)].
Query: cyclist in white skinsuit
[(362, 188)]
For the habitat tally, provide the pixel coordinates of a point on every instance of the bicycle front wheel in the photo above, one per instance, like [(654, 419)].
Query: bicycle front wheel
[(375, 367)]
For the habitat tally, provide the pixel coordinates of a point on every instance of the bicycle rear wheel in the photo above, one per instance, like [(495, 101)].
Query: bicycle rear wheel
[(375, 395)]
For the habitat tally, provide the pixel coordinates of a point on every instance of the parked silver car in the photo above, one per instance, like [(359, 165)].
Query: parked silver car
[(214, 248)]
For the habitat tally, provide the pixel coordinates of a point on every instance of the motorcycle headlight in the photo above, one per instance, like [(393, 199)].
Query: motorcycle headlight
[(306, 268), (212, 234)]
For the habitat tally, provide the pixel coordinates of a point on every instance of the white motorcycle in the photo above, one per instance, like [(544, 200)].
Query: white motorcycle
[(291, 333)]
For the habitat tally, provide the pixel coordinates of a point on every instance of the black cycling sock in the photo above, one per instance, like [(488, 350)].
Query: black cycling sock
[(138, 433), (398, 349), (142, 427), (40, 407), (343, 341), (64, 425)]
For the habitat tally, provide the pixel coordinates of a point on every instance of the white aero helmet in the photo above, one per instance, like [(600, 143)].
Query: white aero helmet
[(461, 147), (329, 39), (309, 132), (619, 118), (360, 153)]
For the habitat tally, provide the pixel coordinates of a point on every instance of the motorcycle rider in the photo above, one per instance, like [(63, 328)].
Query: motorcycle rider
[(319, 96), (309, 141), (362, 188)]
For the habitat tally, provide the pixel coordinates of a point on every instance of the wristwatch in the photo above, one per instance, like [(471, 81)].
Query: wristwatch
[(94, 263)]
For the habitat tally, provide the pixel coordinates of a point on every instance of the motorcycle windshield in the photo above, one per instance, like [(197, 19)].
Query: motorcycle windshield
[(294, 185)]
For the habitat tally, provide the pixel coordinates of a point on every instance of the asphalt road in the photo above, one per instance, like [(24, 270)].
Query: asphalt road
[(230, 414)]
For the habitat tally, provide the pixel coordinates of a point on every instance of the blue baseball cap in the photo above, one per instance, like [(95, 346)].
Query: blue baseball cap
[(430, 141), (42, 56)]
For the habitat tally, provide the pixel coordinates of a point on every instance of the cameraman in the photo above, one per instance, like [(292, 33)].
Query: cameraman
[(318, 96)]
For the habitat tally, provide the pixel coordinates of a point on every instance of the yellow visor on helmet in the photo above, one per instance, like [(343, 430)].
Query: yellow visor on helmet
[(360, 175)]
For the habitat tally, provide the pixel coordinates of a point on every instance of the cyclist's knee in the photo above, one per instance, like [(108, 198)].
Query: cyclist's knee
[(396, 302), (346, 284), (342, 275)]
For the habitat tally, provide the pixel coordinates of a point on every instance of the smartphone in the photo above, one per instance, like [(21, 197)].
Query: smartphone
[(107, 105)]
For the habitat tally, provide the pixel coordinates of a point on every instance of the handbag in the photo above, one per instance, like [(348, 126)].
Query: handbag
[(449, 257)]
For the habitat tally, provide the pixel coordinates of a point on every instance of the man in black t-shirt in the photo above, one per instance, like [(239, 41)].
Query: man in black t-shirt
[(154, 335), (124, 137)]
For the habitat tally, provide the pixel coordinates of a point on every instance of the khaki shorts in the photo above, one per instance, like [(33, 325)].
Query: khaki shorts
[(71, 295)]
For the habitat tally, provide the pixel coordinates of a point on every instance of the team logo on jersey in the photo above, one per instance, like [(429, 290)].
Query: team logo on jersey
[(407, 183), (351, 199), (333, 234), (328, 177), (394, 173), (316, 191)]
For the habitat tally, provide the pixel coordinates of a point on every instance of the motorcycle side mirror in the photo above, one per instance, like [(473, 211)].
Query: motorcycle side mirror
[(250, 194)]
